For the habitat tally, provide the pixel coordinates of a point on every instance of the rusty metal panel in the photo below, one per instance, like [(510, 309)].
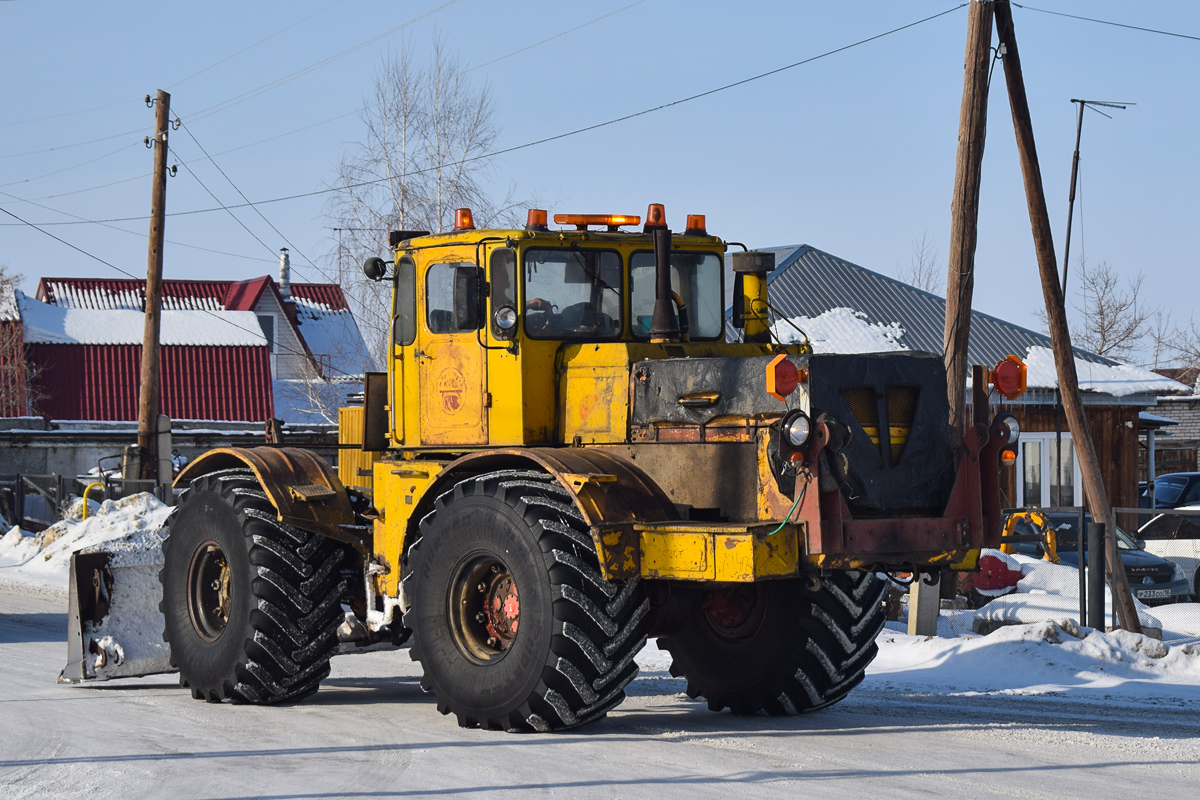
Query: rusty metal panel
[(697, 391), (701, 475), (302, 486)]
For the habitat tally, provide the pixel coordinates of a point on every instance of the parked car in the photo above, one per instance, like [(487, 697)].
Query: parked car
[(1173, 490), (1153, 579), (1177, 539)]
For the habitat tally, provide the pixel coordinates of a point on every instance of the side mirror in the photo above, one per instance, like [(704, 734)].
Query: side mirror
[(375, 268), (468, 308)]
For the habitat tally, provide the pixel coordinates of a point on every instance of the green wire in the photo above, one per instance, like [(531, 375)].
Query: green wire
[(799, 497)]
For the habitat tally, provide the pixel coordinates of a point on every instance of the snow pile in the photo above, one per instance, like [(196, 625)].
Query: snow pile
[(1051, 592), (129, 526), (842, 330), (51, 324), (1116, 379), (1037, 658)]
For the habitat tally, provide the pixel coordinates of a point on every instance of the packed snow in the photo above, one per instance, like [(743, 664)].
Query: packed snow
[(1118, 380), (841, 330), (50, 324), (1038, 648)]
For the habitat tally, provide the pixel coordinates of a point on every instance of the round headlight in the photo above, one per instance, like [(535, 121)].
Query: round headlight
[(797, 429), (1014, 427), (505, 318)]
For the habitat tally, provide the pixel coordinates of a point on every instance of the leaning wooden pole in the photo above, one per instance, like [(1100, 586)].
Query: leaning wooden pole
[(148, 396), (1060, 335), (964, 211)]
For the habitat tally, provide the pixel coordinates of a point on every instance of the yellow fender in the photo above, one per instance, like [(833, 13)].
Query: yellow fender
[(302, 486), (612, 494)]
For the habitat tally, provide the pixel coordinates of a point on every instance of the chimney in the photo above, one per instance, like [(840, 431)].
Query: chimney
[(285, 275)]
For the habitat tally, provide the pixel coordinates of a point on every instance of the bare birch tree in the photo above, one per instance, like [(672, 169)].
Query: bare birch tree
[(1115, 320), (922, 270), (424, 153)]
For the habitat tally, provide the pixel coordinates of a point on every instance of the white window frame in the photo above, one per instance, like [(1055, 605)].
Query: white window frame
[(1046, 439)]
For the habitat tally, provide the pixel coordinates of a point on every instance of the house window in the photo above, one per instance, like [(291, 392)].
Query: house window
[(1039, 482)]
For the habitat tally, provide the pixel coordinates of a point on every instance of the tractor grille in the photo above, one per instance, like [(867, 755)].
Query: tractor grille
[(899, 460), (900, 406)]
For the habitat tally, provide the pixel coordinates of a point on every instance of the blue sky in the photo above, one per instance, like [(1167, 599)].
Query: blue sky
[(853, 154)]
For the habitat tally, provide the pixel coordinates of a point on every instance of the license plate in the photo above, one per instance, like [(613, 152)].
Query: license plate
[(1152, 594)]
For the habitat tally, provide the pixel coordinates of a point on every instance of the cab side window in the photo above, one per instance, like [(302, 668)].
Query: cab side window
[(404, 303), (439, 297)]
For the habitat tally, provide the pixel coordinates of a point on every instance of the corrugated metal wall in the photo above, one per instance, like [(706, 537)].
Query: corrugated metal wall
[(101, 382)]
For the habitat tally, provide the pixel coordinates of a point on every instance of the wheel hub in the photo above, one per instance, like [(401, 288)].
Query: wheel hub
[(486, 609), (209, 596), (736, 612)]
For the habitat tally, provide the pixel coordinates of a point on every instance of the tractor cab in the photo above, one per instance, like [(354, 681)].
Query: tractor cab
[(486, 322)]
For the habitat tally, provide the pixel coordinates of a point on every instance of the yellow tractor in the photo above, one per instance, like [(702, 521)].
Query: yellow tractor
[(565, 457)]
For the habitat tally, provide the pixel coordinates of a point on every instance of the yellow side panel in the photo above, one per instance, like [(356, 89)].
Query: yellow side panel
[(677, 555), (596, 404), (396, 405), (718, 552), (399, 487), (452, 391), (354, 466)]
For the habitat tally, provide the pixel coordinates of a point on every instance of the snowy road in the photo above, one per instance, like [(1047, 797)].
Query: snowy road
[(371, 732)]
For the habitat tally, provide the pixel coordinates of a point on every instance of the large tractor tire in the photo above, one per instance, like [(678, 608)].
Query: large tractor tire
[(512, 622), (779, 647), (251, 604)]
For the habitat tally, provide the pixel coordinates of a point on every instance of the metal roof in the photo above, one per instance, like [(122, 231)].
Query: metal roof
[(129, 294), (808, 282), (100, 382)]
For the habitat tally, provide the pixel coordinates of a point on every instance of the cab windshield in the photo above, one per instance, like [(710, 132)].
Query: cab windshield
[(695, 277), (572, 294)]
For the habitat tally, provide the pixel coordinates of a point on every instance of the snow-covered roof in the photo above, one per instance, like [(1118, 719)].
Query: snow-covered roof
[(1155, 420), (333, 338), (52, 324), (845, 308)]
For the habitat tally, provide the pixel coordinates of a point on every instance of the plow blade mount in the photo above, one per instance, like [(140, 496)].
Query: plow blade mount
[(114, 625)]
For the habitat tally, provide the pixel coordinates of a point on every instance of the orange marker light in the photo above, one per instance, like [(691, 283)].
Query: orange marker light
[(656, 216), (536, 219), (464, 220), (695, 225), (1008, 457), (782, 377), (1009, 377), (581, 221)]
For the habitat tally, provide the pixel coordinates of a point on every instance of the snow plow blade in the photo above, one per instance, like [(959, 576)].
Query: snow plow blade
[(114, 625)]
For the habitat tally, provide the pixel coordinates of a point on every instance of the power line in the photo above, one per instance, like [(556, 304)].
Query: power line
[(247, 199), (552, 38), (275, 84), (68, 113), (266, 87), (223, 152), (1108, 22), (134, 233), (114, 267), (120, 149), (289, 133), (252, 46), (177, 83), (555, 137)]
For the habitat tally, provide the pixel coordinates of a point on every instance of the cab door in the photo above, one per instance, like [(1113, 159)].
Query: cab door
[(450, 361)]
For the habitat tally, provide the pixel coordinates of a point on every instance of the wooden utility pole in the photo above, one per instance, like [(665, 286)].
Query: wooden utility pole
[(964, 211), (148, 399), (1060, 335)]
